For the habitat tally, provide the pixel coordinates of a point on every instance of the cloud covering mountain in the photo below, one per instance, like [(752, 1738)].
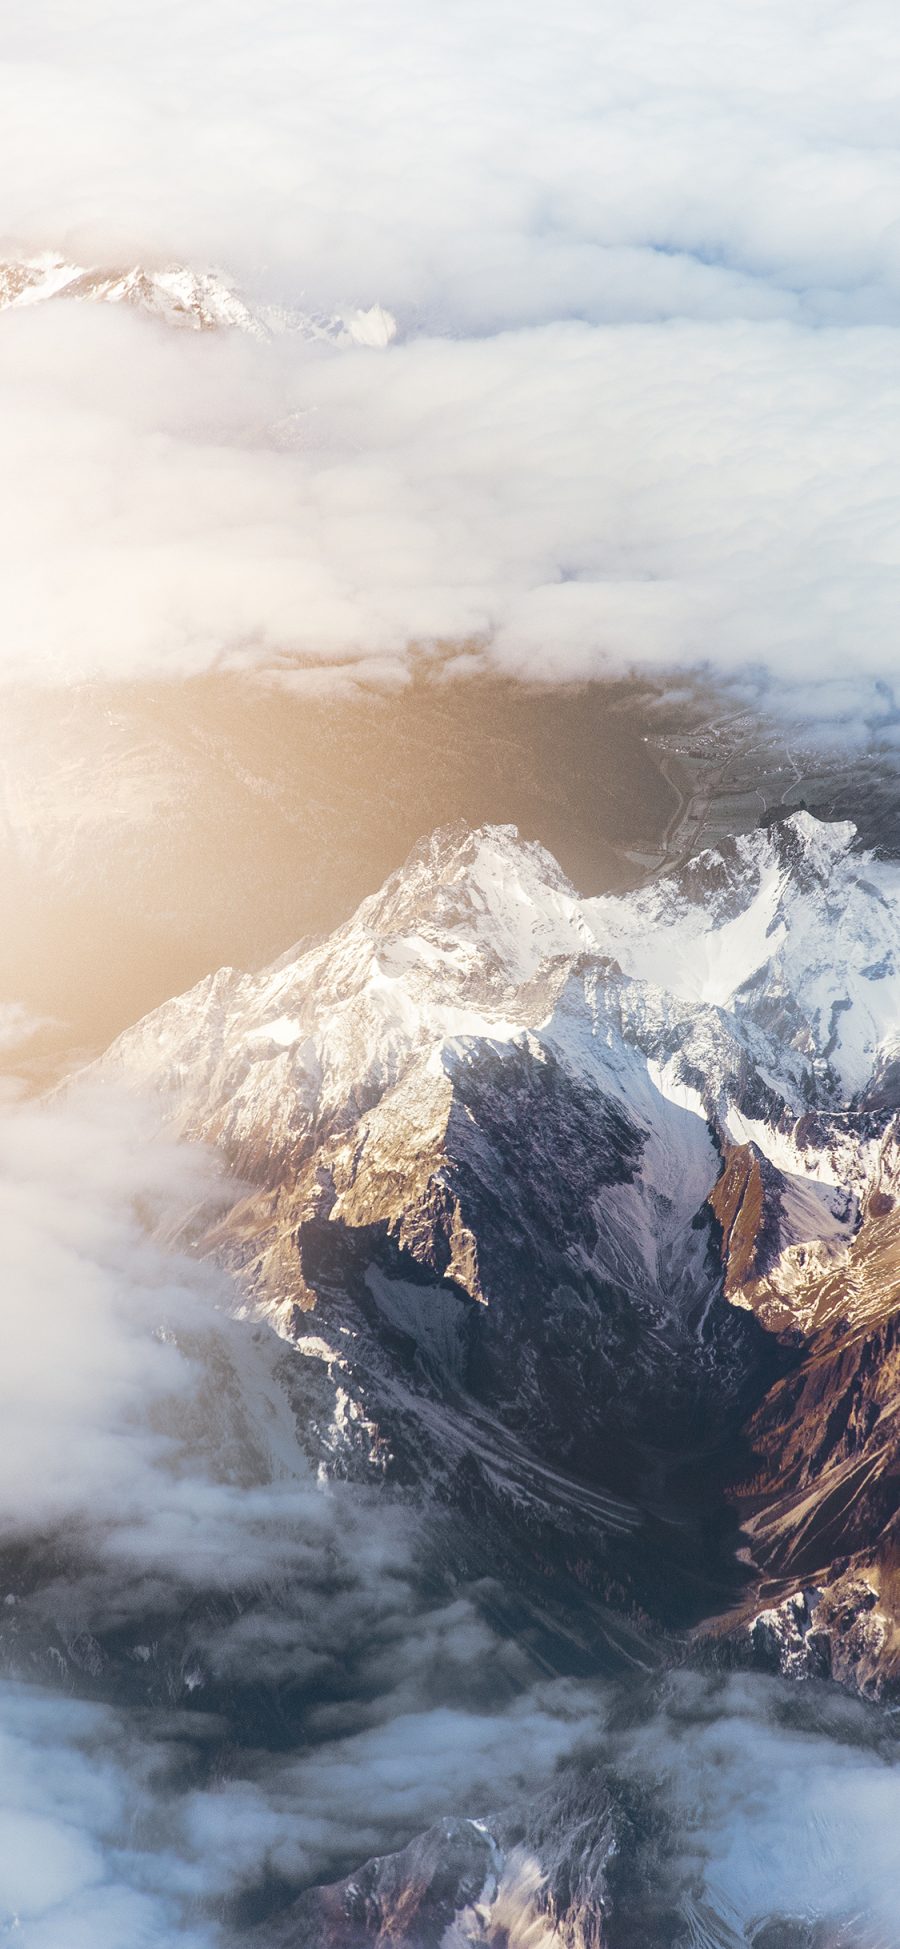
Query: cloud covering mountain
[(487, 170), (641, 409)]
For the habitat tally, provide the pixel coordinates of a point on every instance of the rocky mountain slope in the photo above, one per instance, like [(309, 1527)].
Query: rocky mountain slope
[(589, 1208)]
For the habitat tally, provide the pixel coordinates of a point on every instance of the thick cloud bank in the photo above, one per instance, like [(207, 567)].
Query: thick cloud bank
[(642, 408), (479, 168), (571, 498)]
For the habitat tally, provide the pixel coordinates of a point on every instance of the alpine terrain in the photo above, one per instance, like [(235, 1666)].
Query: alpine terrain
[(574, 1225)]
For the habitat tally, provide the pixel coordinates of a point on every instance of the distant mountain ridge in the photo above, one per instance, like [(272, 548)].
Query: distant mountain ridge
[(178, 295)]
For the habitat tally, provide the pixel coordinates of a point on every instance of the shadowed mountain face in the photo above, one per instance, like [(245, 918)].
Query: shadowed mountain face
[(565, 1225)]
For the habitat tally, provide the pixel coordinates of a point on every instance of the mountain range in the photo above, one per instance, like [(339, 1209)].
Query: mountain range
[(586, 1212), (573, 1224)]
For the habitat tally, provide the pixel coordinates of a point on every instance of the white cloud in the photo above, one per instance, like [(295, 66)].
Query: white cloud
[(84, 1299), (75, 1867), (755, 1804), (572, 498), (643, 410), (17, 1026), (785, 1799), (488, 165)]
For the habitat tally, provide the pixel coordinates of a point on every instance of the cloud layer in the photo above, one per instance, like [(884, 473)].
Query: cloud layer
[(642, 411), (563, 500), (484, 169)]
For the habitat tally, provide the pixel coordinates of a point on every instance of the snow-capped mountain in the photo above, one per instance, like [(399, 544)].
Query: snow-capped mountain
[(794, 933), (178, 295), (744, 1009), (516, 1169), (783, 942)]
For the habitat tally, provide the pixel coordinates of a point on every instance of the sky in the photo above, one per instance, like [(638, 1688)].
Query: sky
[(641, 411)]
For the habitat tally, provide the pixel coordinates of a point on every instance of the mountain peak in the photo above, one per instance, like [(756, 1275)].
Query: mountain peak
[(178, 295), (456, 849), (485, 886), (806, 845), (801, 851), (791, 928), (783, 941)]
